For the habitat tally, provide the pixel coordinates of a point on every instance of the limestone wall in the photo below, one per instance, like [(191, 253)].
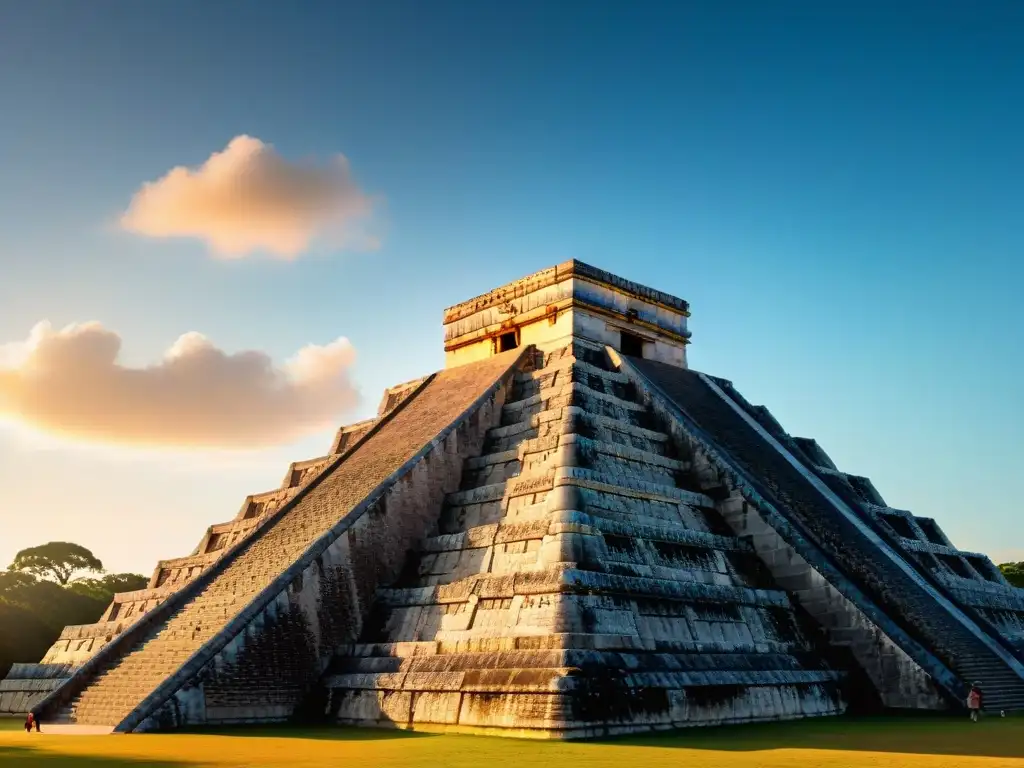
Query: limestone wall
[(351, 434), (77, 643), (900, 681), (604, 329), (27, 684), (538, 312), (301, 472), (396, 395)]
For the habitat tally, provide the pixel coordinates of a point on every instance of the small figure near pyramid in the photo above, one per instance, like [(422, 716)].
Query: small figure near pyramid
[(565, 533)]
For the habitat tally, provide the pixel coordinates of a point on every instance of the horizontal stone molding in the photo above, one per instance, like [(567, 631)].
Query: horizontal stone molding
[(576, 581), (556, 369), (560, 679), (564, 520), (565, 271), (87, 631)]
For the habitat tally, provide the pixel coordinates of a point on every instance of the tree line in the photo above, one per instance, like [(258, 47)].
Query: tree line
[(48, 587), (1014, 573)]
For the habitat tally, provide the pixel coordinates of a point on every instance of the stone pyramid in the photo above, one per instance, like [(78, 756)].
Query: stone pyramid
[(578, 581), (564, 533)]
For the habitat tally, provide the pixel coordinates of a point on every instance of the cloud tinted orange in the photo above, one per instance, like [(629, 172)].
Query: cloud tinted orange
[(248, 198), (68, 382)]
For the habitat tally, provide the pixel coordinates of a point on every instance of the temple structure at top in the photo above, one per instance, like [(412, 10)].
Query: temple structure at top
[(564, 533), (570, 301)]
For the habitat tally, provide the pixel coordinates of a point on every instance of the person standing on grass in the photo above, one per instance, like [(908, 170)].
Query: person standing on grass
[(35, 720), (974, 702), (29, 721)]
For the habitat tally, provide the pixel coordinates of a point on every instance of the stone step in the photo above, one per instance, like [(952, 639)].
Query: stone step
[(548, 523), (569, 363), (487, 647), (614, 507), (569, 413), (626, 483), (579, 350), (552, 442), (481, 652), (505, 559), (577, 452), (568, 390), (565, 578), (552, 410), (623, 484), (626, 452), (567, 679)]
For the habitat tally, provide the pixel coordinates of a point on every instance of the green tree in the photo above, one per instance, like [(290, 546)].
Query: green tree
[(1014, 573), (57, 561), (104, 588), (33, 612), (23, 636)]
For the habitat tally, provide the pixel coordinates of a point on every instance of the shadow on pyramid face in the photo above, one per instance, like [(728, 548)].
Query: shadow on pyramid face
[(32, 757)]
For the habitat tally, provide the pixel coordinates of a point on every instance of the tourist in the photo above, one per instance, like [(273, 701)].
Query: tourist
[(974, 702)]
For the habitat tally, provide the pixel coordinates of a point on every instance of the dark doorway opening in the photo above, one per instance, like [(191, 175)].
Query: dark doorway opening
[(508, 341), (631, 345)]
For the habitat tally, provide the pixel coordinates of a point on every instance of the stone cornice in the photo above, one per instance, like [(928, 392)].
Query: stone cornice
[(553, 275)]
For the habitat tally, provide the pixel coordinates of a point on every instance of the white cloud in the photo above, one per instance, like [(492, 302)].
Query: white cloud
[(248, 198), (68, 383)]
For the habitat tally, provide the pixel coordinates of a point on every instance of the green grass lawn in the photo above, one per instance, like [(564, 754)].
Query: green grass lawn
[(883, 742)]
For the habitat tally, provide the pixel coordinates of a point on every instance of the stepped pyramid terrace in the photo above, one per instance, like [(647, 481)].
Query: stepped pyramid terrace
[(564, 533)]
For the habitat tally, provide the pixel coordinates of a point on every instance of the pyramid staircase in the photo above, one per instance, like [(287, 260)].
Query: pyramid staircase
[(26, 685), (578, 584), (204, 602), (973, 651)]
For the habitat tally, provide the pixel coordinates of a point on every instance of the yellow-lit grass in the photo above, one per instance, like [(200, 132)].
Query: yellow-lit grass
[(831, 742)]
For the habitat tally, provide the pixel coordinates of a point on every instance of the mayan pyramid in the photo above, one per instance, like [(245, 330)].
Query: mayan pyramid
[(564, 533)]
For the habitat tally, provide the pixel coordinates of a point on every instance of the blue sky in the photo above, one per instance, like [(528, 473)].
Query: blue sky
[(835, 187)]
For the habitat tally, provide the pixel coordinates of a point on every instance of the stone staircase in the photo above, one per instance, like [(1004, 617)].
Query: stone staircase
[(131, 677), (919, 609), (578, 584), (969, 579)]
